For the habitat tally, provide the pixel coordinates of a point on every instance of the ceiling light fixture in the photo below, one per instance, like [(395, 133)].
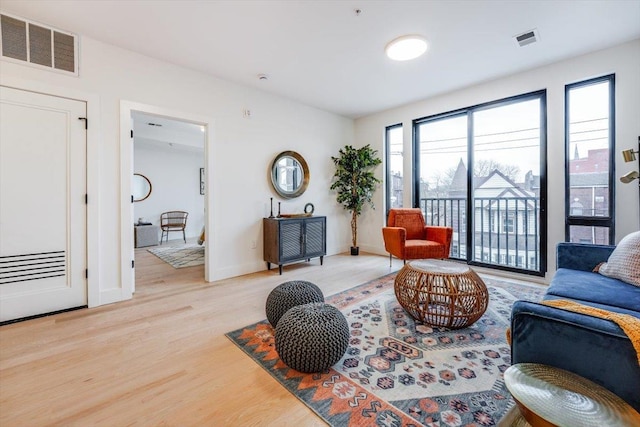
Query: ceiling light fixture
[(406, 47)]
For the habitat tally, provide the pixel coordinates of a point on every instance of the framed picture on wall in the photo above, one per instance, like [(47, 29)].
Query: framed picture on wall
[(202, 181)]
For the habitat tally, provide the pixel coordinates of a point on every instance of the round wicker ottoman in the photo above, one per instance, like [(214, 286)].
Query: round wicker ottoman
[(312, 337), (441, 293), (289, 294)]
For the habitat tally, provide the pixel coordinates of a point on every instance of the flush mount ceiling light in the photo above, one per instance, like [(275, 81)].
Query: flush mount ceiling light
[(406, 47)]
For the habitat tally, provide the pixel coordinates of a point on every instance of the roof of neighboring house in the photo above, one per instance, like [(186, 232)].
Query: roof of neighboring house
[(499, 186)]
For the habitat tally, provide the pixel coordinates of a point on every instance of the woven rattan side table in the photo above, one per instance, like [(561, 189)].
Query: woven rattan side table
[(441, 293)]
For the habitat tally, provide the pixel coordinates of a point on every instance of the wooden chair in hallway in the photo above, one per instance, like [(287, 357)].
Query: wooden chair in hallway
[(173, 221)]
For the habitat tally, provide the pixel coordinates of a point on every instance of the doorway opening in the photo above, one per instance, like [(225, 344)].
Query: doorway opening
[(168, 193), (164, 212)]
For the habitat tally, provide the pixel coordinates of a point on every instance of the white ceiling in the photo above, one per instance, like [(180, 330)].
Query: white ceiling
[(323, 54), (151, 130)]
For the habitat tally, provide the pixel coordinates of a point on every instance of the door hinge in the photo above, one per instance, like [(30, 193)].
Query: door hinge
[(86, 273), (86, 122), (86, 199), (133, 264), (131, 133)]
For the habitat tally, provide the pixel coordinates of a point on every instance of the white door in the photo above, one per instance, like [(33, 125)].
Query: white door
[(42, 204)]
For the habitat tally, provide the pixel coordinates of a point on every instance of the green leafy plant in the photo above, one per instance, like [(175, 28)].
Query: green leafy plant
[(355, 182)]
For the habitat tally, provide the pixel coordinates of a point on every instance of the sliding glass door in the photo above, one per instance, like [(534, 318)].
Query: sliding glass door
[(506, 184), (442, 185), (481, 171)]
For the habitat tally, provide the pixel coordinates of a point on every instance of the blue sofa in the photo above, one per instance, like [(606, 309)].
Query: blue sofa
[(591, 347)]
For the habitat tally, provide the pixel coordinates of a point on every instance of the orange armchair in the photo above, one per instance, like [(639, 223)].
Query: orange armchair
[(407, 237)]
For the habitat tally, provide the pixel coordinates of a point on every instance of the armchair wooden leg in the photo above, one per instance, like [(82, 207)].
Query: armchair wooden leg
[(390, 260)]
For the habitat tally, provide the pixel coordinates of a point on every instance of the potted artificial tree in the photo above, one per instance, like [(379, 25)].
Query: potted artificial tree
[(354, 183)]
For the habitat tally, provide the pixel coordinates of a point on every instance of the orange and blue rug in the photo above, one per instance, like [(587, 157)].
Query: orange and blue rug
[(399, 372)]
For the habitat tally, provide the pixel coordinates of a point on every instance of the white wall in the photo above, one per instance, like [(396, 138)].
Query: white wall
[(244, 148), (242, 153), (174, 173), (623, 60)]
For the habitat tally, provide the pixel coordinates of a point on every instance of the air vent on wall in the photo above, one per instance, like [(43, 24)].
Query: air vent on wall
[(25, 41), (527, 38)]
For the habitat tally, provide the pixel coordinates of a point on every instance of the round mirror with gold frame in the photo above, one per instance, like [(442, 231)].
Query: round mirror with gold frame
[(289, 174), (141, 187)]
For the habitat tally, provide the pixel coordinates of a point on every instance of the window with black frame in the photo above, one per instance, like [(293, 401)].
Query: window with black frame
[(589, 141), (480, 170), (394, 167)]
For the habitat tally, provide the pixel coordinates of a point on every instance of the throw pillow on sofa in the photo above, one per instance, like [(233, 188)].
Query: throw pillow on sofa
[(624, 262)]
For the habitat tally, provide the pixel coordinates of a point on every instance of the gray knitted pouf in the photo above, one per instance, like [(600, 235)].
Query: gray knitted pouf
[(290, 294), (312, 337)]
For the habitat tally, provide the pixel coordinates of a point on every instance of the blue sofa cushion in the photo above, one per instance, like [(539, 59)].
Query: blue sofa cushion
[(593, 287)]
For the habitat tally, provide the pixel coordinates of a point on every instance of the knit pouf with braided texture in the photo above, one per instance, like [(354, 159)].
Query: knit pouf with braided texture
[(312, 337), (289, 294)]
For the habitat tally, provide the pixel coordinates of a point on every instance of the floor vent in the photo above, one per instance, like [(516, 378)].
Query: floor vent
[(527, 38), (36, 44)]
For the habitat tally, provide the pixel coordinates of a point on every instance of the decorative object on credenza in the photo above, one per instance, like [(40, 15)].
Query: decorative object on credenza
[(271, 212), (354, 183), (202, 181), (309, 208), (308, 211), (289, 174)]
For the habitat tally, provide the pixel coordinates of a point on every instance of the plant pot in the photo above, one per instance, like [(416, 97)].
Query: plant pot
[(355, 250)]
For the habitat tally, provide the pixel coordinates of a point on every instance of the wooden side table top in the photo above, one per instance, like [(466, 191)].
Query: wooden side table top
[(549, 396)]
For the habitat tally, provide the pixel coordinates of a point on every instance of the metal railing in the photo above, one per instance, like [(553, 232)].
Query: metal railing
[(506, 230)]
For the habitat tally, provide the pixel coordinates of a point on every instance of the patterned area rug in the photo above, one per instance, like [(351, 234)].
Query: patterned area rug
[(182, 256), (398, 372)]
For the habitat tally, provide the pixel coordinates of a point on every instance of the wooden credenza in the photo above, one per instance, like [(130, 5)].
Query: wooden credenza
[(288, 240)]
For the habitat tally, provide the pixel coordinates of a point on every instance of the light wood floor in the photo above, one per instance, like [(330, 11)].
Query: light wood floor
[(161, 359)]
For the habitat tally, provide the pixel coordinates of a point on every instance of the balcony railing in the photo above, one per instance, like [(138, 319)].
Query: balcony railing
[(506, 230)]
